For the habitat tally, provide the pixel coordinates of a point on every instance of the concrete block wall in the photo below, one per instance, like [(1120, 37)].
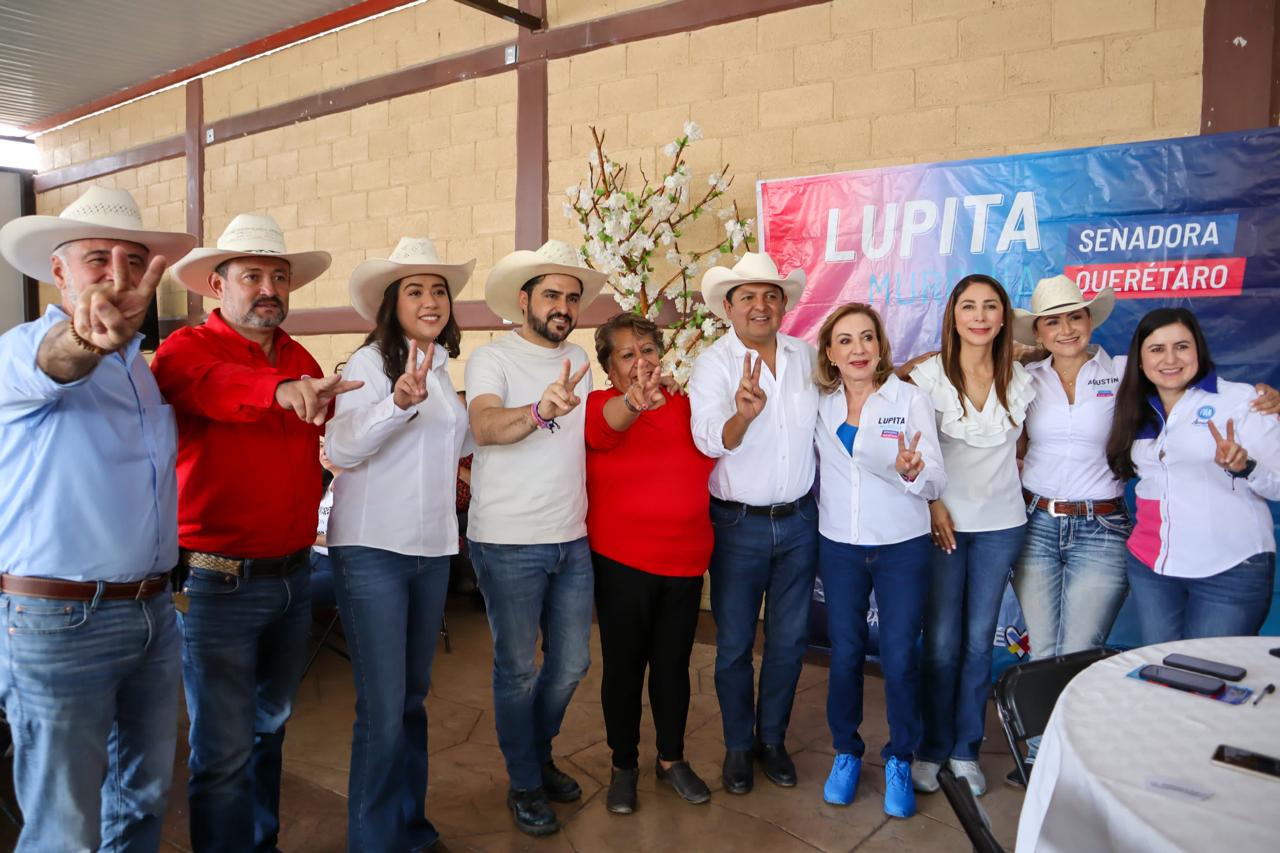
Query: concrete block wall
[(146, 120)]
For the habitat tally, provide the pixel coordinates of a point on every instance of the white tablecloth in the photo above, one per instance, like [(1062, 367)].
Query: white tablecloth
[(1111, 737)]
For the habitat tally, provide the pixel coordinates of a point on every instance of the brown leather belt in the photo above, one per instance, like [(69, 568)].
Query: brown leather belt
[(82, 590), (244, 567), (1056, 508)]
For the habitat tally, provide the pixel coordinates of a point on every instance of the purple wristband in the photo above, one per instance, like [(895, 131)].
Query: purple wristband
[(539, 422)]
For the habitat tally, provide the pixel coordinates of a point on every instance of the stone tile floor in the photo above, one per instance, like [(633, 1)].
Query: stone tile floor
[(468, 781)]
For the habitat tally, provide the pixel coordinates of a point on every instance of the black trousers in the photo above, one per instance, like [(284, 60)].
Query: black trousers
[(646, 621)]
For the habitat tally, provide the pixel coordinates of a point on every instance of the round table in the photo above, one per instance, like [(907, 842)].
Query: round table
[(1125, 765)]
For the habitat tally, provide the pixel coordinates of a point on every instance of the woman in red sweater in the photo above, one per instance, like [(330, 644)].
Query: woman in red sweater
[(650, 531)]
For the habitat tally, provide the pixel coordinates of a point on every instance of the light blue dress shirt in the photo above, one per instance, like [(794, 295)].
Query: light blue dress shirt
[(90, 492)]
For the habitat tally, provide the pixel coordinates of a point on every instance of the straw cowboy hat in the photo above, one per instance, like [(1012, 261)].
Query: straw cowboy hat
[(754, 268), (248, 234), (502, 289), (1059, 295), (412, 256), (99, 214)]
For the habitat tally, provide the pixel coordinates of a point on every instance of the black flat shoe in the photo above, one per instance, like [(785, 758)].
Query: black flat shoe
[(532, 812), (777, 765), (738, 774), (560, 786), (687, 783), (621, 798)]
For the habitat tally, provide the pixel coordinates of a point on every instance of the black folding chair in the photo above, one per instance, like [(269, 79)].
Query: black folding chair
[(1026, 693), (972, 818)]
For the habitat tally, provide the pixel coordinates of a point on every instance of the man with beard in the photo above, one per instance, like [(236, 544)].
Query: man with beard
[(527, 523), (250, 405)]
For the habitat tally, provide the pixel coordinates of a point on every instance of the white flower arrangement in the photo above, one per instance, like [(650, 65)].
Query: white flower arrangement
[(623, 228)]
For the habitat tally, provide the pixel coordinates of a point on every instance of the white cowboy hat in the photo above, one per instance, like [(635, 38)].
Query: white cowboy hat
[(100, 213), (754, 268), (412, 256), (1059, 295), (502, 288), (248, 234)]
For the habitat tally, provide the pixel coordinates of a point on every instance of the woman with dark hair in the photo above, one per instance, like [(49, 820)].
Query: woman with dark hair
[(980, 397), (1202, 554), (649, 525), (880, 465), (393, 529)]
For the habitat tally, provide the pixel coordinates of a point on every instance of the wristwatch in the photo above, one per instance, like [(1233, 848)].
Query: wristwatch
[(1244, 472)]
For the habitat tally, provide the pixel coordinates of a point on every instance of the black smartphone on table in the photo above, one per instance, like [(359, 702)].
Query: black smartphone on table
[(1238, 758), (1216, 669), (1180, 679)]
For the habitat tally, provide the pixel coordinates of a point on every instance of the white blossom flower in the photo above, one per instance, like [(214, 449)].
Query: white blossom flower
[(692, 131), (670, 149)]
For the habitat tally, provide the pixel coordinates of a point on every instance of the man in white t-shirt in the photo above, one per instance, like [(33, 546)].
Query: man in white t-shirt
[(527, 525), (754, 407)]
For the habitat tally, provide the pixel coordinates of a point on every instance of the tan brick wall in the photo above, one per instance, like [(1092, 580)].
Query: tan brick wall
[(562, 12), (397, 40), (146, 120), (161, 192)]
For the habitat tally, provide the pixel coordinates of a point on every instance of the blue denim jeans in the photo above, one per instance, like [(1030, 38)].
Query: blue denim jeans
[(527, 589), (244, 649), (899, 574), (1233, 603), (757, 558), (91, 693), (965, 588), (1070, 580), (392, 606)]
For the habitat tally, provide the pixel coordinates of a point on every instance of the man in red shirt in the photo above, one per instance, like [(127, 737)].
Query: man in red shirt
[(250, 403)]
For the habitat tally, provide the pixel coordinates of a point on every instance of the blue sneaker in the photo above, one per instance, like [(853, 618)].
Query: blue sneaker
[(899, 796), (843, 781)]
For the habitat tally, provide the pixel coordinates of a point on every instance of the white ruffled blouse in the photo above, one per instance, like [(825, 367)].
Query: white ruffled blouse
[(979, 449)]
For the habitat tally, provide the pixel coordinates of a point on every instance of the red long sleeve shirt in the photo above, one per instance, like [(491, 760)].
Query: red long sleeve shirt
[(248, 472), (647, 501)]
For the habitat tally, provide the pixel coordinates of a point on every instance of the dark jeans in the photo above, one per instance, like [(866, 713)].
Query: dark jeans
[(899, 573), (532, 589), (392, 606), (1229, 604), (770, 560), (244, 649), (646, 621), (965, 588)]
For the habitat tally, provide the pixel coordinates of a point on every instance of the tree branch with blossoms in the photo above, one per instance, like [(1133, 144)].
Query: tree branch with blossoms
[(623, 228)]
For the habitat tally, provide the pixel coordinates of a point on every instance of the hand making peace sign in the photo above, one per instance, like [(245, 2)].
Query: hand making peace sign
[(750, 397), (645, 393), (411, 388), (559, 398), (1229, 454), (109, 313), (910, 461)]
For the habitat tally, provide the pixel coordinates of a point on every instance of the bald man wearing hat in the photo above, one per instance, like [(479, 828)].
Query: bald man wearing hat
[(754, 407), (88, 534), (251, 403), (528, 520)]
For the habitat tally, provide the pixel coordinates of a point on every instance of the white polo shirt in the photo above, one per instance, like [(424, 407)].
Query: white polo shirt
[(979, 448), (1194, 519), (399, 490), (862, 499), (775, 461), (1067, 442)]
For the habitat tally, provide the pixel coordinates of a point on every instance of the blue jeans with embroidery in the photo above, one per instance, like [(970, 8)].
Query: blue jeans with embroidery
[(243, 653), (530, 589), (90, 690), (1070, 579), (1229, 604)]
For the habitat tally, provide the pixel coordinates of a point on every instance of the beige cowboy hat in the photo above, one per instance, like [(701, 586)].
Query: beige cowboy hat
[(502, 288), (754, 268), (28, 242), (248, 234), (412, 256), (1059, 295)]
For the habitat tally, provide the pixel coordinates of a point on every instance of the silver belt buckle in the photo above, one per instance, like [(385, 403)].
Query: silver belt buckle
[(1052, 509)]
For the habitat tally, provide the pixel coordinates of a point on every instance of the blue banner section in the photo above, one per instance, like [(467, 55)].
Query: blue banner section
[(1148, 238)]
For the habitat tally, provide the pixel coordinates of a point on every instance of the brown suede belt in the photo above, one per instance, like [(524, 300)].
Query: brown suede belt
[(1055, 507), (82, 590)]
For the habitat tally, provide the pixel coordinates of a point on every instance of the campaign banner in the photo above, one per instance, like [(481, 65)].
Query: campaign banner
[(1192, 222)]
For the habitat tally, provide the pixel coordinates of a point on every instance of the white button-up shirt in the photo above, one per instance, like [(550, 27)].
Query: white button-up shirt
[(775, 461), (399, 490), (1067, 442), (1194, 519), (862, 499)]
